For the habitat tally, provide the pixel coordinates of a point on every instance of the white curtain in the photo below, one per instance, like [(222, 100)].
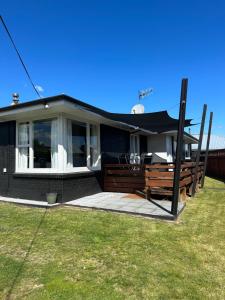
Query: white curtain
[(23, 158), (69, 144), (94, 145), (23, 141), (54, 143), (134, 149), (24, 134)]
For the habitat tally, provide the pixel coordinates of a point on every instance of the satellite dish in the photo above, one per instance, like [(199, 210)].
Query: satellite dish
[(138, 109)]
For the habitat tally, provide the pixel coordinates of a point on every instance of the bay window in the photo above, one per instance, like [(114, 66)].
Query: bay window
[(57, 145)]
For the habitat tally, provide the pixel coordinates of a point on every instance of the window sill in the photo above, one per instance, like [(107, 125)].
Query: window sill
[(55, 175)]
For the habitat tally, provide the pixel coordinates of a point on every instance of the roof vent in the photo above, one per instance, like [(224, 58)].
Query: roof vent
[(15, 99)]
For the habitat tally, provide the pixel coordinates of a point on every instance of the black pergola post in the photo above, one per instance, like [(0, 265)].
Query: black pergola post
[(179, 150), (199, 151), (207, 149)]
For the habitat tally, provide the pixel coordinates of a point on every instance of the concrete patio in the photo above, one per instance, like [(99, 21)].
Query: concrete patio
[(110, 201), (127, 203)]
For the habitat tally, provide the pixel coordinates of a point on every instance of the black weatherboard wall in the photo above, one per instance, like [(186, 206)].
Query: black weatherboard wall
[(143, 144), (114, 143), (7, 155), (35, 186)]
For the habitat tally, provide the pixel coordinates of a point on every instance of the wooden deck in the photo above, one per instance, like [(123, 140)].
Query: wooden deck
[(155, 179)]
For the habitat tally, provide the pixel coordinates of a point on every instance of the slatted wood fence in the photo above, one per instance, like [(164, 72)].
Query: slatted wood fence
[(156, 179), (216, 164)]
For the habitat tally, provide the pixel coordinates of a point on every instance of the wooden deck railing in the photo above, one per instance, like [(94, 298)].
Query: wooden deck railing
[(125, 178), (156, 179)]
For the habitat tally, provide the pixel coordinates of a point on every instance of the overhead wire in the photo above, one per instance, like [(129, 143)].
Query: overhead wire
[(20, 57)]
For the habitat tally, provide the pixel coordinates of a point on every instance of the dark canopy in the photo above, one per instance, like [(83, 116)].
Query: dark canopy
[(156, 122)]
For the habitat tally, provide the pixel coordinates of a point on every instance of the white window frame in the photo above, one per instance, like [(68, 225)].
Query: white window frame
[(88, 167), (187, 151), (31, 168), (98, 163), (62, 166), (19, 146)]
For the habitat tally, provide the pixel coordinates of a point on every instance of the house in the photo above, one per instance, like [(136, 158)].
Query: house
[(59, 144)]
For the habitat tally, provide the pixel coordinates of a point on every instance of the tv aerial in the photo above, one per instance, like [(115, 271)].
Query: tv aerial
[(144, 93)]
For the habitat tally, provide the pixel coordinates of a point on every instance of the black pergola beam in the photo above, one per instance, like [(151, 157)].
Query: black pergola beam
[(207, 149), (179, 150), (199, 151)]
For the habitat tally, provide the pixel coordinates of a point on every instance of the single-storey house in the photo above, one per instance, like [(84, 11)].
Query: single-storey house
[(59, 144)]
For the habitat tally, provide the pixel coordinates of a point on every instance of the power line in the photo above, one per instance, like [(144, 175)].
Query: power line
[(20, 58)]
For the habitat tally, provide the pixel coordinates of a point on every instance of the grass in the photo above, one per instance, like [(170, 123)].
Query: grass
[(68, 253)]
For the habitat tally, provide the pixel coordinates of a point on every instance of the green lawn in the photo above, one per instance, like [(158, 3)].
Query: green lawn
[(68, 253)]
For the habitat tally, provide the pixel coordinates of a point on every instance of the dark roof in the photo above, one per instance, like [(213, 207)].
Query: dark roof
[(157, 122)]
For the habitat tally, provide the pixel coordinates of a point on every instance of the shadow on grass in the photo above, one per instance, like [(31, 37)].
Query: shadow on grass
[(20, 269), (216, 178), (215, 188), (221, 180)]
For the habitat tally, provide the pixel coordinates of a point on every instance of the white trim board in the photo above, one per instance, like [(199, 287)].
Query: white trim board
[(27, 202)]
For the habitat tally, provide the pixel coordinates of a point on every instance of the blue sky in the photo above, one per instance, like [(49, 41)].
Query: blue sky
[(103, 52)]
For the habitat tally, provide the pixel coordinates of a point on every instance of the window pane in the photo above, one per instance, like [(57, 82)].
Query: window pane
[(93, 145), (77, 144), (42, 144), (23, 161), (23, 134)]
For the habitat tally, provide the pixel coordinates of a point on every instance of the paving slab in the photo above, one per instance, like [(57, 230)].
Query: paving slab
[(126, 203)]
